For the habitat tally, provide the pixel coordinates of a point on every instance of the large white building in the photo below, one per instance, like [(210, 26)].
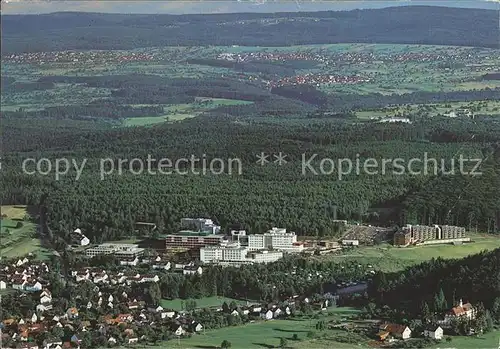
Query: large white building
[(126, 251), (200, 224), (275, 239), (264, 256), (234, 253)]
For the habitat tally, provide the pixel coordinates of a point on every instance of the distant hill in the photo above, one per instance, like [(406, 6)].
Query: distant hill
[(408, 24)]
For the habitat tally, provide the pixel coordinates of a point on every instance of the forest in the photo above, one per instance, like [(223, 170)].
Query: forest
[(439, 284), (77, 31), (257, 199)]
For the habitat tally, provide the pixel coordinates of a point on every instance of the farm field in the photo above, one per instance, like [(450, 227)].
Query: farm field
[(390, 259), (386, 76), (268, 334), (17, 233), (207, 302)]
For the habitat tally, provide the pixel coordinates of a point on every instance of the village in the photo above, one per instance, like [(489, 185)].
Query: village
[(118, 304)]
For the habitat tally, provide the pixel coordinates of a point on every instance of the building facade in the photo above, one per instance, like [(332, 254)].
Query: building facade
[(192, 239)]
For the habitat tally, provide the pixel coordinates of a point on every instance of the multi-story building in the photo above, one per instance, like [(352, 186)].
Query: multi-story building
[(200, 224), (429, 234), (125, 251), (234, 253), (276, 239), (265, 256), (403, 237), (424, 232), (451, 232), (211, 254), (192, 239), (231, 252)]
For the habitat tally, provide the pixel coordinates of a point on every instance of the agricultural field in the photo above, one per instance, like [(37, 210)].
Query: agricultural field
[(18, 233), (416, 68), (207, 302), (391, 259)]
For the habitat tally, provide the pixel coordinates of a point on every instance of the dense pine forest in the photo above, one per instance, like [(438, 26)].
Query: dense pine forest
[(258, 197)]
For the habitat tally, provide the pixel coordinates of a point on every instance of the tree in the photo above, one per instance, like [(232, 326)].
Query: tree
[(225, 344), (154, 293), (295, 337), (283, 342), (190, 304), (440, 303), (425, 313)]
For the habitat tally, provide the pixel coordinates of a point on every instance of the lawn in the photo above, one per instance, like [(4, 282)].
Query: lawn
[(489, 340), (389, 258), (267, 334), (207, 302)]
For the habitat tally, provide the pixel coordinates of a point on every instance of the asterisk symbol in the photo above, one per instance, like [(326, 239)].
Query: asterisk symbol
[(280, 158), (262, 159)]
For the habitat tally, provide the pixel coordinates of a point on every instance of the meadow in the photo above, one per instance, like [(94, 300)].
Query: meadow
[(179, 112), (206, 302), (17, 233), (268, 334), (489, 340), (389, 258)]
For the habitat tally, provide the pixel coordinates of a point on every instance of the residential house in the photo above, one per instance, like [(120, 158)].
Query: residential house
[(45, 300), (162, 265), (168, 314), (129, 260), (178, 330), (149, 278), (135, 305), (132, 339), (434, 332), (157, 309), (72, 313), (395, 330), (18, 283), (52, 343), (40, 308), (192, 270), (268, 315), (111, 340), (124, 317), (3, 285), (33, 286)]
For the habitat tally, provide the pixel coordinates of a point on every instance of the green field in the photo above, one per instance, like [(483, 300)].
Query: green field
[(390, 258), (267, 334), (489, 340), (207, 302), (476, 107), (179, 112), (18, 241)]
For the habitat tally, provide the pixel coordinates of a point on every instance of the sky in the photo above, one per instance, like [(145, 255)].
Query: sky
[(224, 6)]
